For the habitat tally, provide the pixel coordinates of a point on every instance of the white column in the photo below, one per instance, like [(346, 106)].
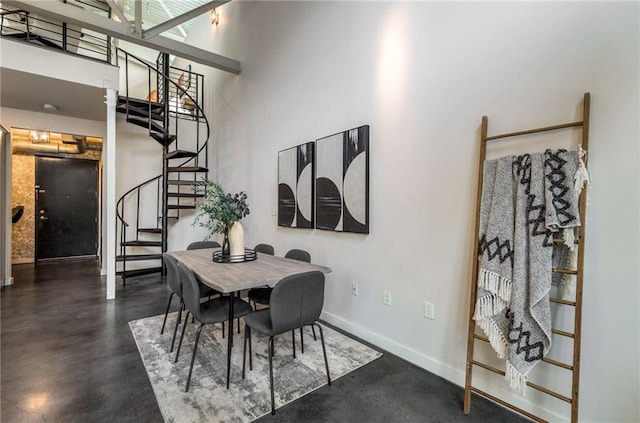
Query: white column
[(5, 204), (109, 166)]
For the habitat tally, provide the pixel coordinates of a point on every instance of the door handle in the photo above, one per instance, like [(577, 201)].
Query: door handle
[(44, 218)]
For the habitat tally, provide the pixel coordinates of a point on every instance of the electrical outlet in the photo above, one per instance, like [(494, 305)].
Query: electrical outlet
[(274, 211), (429, 310), (354, 289), (387, 298)]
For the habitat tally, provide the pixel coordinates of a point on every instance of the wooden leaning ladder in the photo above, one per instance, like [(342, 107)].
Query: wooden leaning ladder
[(577, 304)]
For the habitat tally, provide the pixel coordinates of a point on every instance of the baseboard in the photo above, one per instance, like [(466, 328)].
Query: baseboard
[(22, 261), (437, 367), (7, 282)]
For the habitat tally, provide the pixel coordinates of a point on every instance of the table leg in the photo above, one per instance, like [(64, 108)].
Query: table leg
[(230, 338)]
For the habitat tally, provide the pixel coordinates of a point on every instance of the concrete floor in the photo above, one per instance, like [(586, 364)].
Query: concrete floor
[(68, 356)]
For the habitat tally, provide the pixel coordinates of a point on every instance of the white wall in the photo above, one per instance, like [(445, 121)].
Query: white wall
[(422, 75)]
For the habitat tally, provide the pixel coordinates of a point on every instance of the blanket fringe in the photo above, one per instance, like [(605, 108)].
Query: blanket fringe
[(495, 335), (582, 175), (517, 381), (487, 306), (496, 284), (567, 286)]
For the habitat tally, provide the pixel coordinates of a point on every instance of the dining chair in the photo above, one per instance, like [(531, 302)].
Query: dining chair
[(208, 312), (260, 295), (175, 283), (296, 301), (263, 295), (199, 245), (264, 248)]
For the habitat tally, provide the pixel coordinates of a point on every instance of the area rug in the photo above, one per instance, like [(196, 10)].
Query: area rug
[(208, 400)]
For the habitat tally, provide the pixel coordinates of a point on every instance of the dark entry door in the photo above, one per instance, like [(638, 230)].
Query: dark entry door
[(66, 208)]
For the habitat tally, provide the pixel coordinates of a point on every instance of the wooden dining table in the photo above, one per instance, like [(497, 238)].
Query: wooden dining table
[(231, 278)]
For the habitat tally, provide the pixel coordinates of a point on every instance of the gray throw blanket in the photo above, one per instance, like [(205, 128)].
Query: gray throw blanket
[(526, 202)]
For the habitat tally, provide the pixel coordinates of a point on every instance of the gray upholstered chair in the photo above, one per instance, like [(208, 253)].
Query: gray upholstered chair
[(264, 249), (262, 295), (199, 245), (208, 312), (296, 302), (175, 283)]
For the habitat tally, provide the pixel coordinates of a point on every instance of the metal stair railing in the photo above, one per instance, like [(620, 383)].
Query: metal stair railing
[(201, 149)]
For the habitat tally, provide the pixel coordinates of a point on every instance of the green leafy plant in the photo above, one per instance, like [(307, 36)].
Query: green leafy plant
[(219, 209)]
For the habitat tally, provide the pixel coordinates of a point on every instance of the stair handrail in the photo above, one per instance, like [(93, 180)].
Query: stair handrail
[(179, 89), (121, 199)]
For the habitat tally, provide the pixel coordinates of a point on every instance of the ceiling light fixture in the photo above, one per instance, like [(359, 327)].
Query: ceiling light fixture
[(50, 107), (215, 17), (38, 137)]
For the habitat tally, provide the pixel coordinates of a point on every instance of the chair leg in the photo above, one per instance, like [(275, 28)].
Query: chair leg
[(193, 357), (301, 341), (238, 325), (222, 330), (293, 342), (250, 351), (244, 350), (324, 353), (175, 329), (273, 401), (166, 313), (184, 326), (313, 329)]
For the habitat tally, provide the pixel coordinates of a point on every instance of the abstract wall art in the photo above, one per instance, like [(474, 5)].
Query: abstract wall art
[(342, 181), (295, 186)]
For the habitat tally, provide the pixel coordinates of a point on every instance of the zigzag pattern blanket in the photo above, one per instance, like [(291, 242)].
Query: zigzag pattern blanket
[(526, 200)]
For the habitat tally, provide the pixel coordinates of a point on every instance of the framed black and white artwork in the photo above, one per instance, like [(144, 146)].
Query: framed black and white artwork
[(295, 186), (342, 181)]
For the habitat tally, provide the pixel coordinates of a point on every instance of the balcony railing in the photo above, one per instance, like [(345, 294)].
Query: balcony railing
[(23, 26)]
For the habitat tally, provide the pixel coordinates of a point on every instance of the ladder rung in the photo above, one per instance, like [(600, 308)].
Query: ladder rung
[(566, 271), (508, 405), (561, 241), (562, 333), (565, 302), (530, 384), (549, 392), (557, 363)]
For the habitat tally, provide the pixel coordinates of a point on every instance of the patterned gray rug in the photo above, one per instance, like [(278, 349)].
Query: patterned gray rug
[(248, 399)]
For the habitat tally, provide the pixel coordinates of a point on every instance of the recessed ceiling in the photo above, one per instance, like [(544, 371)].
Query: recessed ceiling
[(27, 91)]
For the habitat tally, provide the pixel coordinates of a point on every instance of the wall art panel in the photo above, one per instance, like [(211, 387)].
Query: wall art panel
[(295, 186), (342, 181)]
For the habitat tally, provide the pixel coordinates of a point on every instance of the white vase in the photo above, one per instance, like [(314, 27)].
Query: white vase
[(236, 239)]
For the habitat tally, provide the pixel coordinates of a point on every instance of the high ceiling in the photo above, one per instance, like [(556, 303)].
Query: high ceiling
[(155, 12)]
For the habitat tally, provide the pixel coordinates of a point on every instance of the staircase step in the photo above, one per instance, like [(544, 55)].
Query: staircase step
[(141, 244), (181, 182), (139, 272), (139, 104), (180, 154), (180, 207), (139, 112), (185, 195), (144, 123), (163, 139), (150, 230), (187, 169), (138, 257)]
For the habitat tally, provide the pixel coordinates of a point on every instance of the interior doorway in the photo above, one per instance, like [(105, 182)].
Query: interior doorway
[(66, 208)]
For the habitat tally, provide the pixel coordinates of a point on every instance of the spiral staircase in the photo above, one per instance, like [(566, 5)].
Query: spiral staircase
[(145, 212)]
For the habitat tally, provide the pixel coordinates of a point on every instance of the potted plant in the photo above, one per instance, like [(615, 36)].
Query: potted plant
[(219, 210)]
